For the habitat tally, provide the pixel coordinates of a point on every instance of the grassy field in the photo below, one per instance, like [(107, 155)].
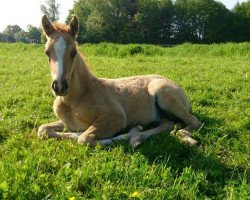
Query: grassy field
[(216, 79)]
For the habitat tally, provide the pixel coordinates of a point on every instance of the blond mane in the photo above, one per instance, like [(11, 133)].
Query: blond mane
[(61, 27)]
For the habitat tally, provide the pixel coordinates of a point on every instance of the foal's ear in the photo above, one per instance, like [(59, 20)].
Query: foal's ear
[(74, 26), (47, 26)]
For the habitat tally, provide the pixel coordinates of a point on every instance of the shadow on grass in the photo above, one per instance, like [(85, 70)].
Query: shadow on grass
[(3, 135), (169, 151)]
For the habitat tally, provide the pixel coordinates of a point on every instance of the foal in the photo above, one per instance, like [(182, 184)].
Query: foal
[(95, 109)]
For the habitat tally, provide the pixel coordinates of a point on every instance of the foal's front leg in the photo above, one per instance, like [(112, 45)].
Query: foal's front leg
[(55, 130), (103, 128)]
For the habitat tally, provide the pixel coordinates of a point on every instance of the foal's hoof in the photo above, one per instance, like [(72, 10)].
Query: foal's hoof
[(42, 132), (190, 141), (135, 140), (135, 137), (87, 140), (81, 140), (185, 136)]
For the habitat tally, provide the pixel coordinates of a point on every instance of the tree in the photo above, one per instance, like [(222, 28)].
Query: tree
[(16, 34), (51, 9), (123, 21), (183, 22), (241, 22), (34, 34), (10, 32), (243, 9), (6, 38), (217, 21), (201, 21), (152, 21), (100, 20), (161, 21), (21, 36)]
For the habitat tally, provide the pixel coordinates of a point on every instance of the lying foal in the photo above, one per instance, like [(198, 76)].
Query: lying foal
[(95, 109)]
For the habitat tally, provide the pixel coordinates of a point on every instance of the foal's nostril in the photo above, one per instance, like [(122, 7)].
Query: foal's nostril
[(55, 86), (60, 88)]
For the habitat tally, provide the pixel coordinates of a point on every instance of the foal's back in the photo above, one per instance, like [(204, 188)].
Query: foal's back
[(138, 96)]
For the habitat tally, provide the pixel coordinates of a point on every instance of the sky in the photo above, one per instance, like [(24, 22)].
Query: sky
[(25, 12)]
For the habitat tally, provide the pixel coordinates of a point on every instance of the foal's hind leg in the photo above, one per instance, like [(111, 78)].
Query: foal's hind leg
[(126, 136), (138, 137), (192, 124), (177, 104)]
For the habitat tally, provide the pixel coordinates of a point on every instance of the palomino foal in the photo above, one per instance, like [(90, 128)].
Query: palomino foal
[(95, 109)]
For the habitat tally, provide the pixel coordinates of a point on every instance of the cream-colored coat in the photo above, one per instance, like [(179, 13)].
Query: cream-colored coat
[(95, 109)]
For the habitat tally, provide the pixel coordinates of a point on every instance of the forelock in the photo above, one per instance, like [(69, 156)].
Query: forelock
[(62, 28)]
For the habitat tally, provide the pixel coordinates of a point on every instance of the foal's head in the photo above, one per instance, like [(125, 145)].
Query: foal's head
[(61, 50)]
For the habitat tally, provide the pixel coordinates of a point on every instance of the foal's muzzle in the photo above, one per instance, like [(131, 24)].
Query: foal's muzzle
[(60, 89)]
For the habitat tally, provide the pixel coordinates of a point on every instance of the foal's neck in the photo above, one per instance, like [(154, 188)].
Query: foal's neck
[(81, 79)]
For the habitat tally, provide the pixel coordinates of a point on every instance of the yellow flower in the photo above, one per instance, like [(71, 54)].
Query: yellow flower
[(135, 194), (72, 198)]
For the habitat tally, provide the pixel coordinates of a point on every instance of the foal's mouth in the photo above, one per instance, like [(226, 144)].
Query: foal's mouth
[(61, 93)]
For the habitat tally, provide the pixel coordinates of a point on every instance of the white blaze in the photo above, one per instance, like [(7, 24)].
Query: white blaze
[(59, 51)]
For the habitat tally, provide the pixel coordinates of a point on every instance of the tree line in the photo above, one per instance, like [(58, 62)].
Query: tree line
[(14, 33), (161, 21), (147, 21)]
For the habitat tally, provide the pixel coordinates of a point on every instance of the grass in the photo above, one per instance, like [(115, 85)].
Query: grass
[(216, 79)]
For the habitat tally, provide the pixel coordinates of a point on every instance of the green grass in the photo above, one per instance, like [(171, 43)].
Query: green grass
[(216, 79)]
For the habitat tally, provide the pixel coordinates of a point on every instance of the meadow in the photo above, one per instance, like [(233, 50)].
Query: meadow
[(216, 80)]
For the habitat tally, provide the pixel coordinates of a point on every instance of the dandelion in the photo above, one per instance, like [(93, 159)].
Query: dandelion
[(72, 198), (135, 195)]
